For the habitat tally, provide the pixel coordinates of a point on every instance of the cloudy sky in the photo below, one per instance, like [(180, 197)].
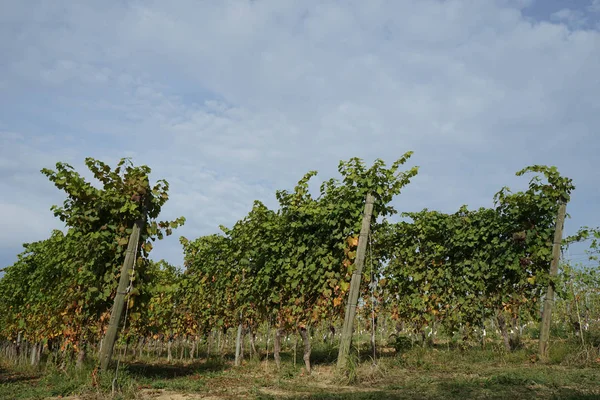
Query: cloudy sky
[(231, 100)]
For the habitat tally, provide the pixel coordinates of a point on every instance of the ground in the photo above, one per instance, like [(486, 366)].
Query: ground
[(416, 374)]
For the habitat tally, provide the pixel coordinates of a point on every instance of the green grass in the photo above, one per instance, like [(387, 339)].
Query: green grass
[(417, 373), (25, 382)]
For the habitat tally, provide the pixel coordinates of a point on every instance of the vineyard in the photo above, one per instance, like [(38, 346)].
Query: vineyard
[(323, 292)]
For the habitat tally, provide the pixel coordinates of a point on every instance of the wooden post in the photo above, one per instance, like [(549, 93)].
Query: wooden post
[(267, 342), (117, 310), (277, 347), (346, 338), (238, 343), (549, 300)]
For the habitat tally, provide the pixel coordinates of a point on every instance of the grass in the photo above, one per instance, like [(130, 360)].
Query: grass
[(24, 382), (417, 373)]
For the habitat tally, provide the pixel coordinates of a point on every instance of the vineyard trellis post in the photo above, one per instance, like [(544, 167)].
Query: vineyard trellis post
[(117, 310), (549, 298), (346, 338), (238, 342)]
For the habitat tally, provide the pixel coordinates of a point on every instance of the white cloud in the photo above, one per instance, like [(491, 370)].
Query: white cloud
[(231, 100), (574, 18)]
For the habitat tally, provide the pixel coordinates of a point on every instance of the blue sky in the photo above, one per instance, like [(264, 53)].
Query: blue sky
[(232, 100)]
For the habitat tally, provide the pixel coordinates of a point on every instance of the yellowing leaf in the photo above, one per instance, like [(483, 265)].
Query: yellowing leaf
[(344, 286)]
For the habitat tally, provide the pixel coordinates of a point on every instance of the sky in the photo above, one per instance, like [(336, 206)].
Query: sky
[(232, 100)]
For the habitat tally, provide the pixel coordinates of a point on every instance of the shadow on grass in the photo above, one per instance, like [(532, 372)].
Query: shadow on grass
[(13, 378), (377, 395), (473, 393), (324, 355), (172, 371), (510, 390), (7, 376), (570, 395), (318, 355)]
